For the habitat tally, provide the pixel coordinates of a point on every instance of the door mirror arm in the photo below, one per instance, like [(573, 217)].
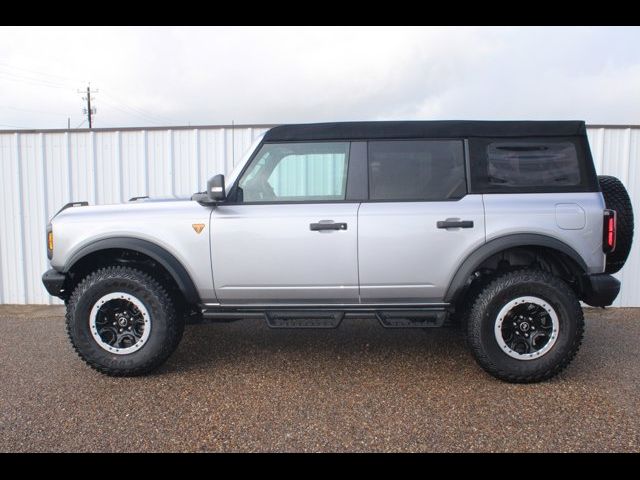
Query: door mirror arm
[(215, 192)]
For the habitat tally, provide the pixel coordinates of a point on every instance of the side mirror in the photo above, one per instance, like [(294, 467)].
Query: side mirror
[(215, 188)]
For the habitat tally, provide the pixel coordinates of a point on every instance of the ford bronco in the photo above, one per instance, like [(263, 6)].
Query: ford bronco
[(499, 227)]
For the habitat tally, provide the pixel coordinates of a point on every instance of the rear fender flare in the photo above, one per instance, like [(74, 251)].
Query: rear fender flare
[(475, 259)]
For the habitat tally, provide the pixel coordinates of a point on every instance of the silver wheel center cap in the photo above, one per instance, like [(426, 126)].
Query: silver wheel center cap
[(524, 326), (122, 321)]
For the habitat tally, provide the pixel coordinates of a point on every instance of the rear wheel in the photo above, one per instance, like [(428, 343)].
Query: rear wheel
[(122, 322), (525, 326)]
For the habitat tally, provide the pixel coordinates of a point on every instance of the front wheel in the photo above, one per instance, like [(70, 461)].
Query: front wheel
[(122, 322), (525, 326)]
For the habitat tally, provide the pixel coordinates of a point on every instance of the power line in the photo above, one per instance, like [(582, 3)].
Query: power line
[(133, 112), (38, 78), (154, 117), (22, 76), (18, 75), (61, 82), (37, 72), (31, 81), (7, 107)]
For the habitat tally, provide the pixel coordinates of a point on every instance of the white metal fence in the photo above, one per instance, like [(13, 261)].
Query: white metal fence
[(42, 170)]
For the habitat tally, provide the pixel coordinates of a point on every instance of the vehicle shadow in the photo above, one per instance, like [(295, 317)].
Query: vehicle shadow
[(363, 346), (363, 341)]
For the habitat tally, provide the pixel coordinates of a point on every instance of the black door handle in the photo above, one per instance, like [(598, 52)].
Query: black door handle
[(455, 224), (327, 226)]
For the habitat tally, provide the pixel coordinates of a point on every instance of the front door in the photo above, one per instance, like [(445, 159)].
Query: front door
[(288, 235)]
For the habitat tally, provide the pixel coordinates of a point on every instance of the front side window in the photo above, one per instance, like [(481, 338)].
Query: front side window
[(418, 170), (296, 172)]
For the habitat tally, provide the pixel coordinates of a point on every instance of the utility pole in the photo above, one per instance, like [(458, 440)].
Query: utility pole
[(89, 111)]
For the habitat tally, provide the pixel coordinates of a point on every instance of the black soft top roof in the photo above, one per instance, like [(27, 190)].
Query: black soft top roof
[(424, 129)]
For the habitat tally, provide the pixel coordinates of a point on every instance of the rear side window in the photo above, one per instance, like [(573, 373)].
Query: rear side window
[(527, 165), (428, 170)]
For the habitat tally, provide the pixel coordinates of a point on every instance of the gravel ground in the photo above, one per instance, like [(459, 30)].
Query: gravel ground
[(243, 387)]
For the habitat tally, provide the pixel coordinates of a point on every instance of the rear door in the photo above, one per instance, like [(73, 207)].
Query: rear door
[(419, 223)]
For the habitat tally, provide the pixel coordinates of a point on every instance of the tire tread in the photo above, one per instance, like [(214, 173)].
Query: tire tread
[(117, 274), (481, 304)]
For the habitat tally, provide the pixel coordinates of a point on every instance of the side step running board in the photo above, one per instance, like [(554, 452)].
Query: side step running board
[(411, 319), (321, 318), (289, 319)]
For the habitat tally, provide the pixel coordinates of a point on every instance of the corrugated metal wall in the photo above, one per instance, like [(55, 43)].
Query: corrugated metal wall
[(616, 151), (41, 171)]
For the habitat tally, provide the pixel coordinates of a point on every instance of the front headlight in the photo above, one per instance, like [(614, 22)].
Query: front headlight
[(49, 241)]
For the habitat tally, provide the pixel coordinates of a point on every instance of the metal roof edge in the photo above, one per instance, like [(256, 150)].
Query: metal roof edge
[(619, 126), (134, 129), (201, 127)]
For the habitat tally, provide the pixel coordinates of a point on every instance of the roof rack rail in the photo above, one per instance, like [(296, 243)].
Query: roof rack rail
[(72, 204)]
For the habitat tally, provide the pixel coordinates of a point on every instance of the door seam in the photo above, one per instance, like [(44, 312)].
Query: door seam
[(358, 249)]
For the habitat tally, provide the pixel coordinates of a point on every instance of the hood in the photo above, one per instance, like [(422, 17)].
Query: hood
[(134, 203), (166, 222)]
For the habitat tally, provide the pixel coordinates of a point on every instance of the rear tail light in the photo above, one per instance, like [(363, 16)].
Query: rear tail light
[(609, 231)]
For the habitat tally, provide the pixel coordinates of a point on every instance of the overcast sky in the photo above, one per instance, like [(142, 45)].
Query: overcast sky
[(177, 76)]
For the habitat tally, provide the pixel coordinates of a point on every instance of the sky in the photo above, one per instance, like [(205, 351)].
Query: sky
[(163, 76)]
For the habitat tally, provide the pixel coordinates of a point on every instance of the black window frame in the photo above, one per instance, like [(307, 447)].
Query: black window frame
[(352, 190), (478, 166), (465, 165), (357, 189)]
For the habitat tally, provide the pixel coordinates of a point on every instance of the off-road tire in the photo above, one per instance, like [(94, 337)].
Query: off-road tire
[(505, 288), (617, 198), (166, 327)]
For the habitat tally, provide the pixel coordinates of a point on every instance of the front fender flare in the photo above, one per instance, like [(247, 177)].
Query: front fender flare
[(152, 250)]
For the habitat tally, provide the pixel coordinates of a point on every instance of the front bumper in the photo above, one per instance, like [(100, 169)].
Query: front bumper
[(600, 290), (53, 281)]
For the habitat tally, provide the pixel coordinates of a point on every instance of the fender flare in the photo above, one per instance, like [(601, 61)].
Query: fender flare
[(150, 249), (475, 259)]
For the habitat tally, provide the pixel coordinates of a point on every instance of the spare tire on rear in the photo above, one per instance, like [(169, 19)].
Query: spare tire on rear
[(616, 198)]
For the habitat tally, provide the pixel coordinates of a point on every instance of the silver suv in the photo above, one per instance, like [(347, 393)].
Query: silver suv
[(500, 227)]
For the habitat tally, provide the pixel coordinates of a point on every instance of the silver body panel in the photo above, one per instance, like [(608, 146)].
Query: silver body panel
[(550, 214), (268, 253), (167, 224), (403, 256)]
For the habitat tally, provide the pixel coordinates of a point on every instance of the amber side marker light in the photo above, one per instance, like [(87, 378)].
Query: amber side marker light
[(49, 244)]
